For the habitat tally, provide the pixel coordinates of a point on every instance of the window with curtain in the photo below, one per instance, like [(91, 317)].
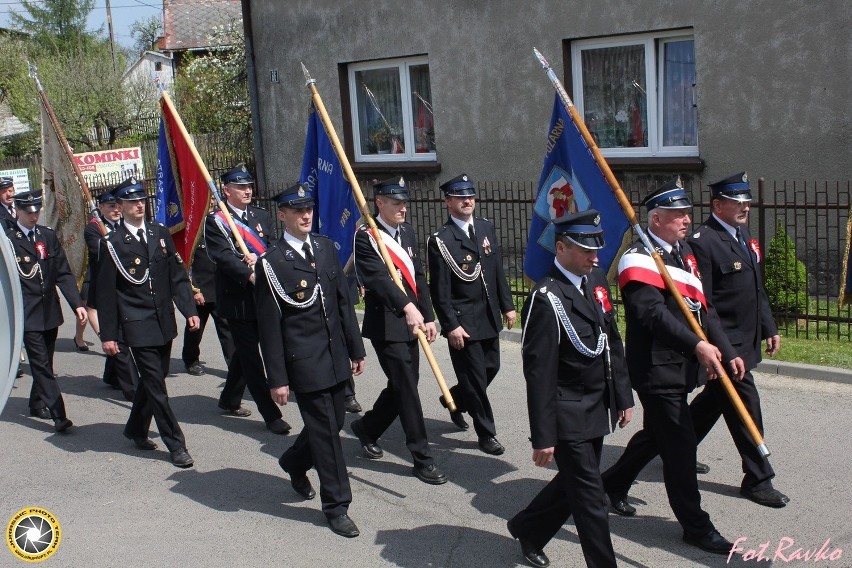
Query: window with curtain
[(637, 93), (392, 117)]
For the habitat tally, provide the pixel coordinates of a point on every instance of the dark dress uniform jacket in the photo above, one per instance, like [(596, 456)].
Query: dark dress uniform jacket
[(477, 306), (567, 395), (145, 311), (204, 274), (234, 297), (5, 215), (308, 349), (732, 280), (92, 235), (660, 346), (384, 319), (41, 300)]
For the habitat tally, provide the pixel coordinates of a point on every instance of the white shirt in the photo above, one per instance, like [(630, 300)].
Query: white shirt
[(134, 230), (663, 244), (463, 225), (573, 278), (392, 230), (298, 243), (729, 228)]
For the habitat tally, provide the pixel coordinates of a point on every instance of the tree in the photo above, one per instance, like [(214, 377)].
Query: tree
[(145, 33), (55, 24), (786, 276), (212, 89)]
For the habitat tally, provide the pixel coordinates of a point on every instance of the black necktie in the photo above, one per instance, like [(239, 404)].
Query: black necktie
[(244, 217), (309, 256), (397, 237), (141, 234), (470, 232), (742, 242), (677, 256), (31, 236), (12, 212)]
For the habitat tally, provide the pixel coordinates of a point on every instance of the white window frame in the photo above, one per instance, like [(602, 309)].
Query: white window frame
[(654, 68), (402, 65)]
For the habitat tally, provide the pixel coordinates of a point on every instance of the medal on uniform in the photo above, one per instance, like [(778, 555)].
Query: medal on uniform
[(464, 267), (602, 296), (259, 230), (163, 243), (42, 250), (300, 295), (486, 245)]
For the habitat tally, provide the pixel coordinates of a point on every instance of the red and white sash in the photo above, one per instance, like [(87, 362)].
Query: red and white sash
[(640, 267), (400, 257)]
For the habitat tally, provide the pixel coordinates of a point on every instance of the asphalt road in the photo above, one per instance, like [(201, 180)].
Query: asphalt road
[(118, 506)]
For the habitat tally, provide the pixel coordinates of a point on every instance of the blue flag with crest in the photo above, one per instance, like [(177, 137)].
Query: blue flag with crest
[(335, 210), (570, 181), (168, 208)]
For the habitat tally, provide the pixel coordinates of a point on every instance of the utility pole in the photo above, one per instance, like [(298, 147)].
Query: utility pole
[(111, 36)]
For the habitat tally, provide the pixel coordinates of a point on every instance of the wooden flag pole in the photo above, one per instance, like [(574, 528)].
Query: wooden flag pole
[(166, 100), (745, 417), (365, 212)]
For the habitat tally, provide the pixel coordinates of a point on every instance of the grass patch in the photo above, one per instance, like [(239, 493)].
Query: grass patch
[(814, 352)]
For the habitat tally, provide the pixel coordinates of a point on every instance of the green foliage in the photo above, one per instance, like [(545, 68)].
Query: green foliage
[(212, 89), (145, 34), (56, 25), (786, 276)]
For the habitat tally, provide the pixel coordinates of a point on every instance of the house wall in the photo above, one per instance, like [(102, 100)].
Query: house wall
[(143, 70), (773, 76)]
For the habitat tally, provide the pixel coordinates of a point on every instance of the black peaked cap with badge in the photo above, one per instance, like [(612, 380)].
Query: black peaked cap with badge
[(734, 187), (297, 196), (394, 188), (6, 182), (129, 190), (459, 186), (238, 175), (107, 197), (670, 195), (29, 201), (583, 228)]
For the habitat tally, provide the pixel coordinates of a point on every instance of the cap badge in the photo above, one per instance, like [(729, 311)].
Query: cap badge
[(401, 182), (745, 177), (464, 178), (301, 192), (596, 221), (133, 180), (243, 168)]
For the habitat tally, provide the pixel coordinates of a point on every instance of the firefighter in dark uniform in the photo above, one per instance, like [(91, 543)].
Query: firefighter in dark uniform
[(729, 262), (140, 280), (235, 295), (42, 267), (577, 389), (667, 361), (119, 370), (391, 318), (202, 276), (7, 200), (470, 294), (311, 345)]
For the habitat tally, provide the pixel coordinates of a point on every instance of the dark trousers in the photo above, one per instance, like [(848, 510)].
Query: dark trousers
[(45, 392), (667, 429), (713, 402), (192, 339), (318, 445), (246, 370), (475, 366), (401, 363), (120, 372), (577, 489), (152, 399)]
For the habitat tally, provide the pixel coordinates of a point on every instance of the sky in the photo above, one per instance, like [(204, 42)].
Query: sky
[(124, 13)]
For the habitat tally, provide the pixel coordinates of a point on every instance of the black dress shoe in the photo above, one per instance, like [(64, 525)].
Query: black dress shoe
[(83, 347), (490, 445), (278, 426), (351, 405), (181, 458), (430, 474), (62, 424), (42, 413), (143, 442), (458, 419), (20, 374), (701, 468), (710, 542), (343, 525), (768, 497), (302, 485), (620, 505), (534, 555), (239, 411), (195, 369), (371, 448)]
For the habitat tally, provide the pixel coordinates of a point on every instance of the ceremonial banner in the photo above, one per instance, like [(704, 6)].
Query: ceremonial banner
[(64, 207), (570, 181), (336, 212), (846, 280), (182, 197)]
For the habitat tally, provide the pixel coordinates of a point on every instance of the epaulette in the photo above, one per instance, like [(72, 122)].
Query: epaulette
[(542, 288), (162, 225)]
